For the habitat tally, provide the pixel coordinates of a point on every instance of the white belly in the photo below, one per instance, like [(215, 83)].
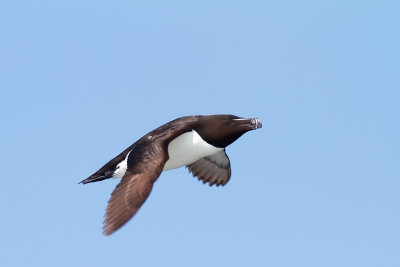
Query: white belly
[(186, 149)]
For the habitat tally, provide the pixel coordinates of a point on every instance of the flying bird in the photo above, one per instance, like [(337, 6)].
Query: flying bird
[(197, 142)]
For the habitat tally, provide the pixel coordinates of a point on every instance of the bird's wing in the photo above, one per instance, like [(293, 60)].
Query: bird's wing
[(145, 163), (214, 169)]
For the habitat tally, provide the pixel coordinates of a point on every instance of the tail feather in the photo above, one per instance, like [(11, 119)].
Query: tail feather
[(108, 170), (96, 177)]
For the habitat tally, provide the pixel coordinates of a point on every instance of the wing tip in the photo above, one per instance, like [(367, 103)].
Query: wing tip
[(107, 231)]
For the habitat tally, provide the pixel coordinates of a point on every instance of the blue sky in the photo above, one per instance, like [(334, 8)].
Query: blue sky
[(317, 186)]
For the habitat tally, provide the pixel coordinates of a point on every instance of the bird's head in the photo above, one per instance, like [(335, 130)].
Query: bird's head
[(223, 130)]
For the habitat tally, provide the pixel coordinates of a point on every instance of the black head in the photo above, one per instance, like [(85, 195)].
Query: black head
[(223, 130)]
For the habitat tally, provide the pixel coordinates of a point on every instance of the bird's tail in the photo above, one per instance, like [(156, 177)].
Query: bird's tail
[(95, 177), (92, 179)]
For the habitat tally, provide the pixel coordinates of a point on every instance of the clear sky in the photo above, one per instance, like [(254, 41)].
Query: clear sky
[(318, 185)]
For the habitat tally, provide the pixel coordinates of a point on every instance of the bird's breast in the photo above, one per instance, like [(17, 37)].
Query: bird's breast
[(188, 148)]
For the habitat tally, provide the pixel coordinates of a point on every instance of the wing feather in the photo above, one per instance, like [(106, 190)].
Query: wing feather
[(214, 169), (144, 167)]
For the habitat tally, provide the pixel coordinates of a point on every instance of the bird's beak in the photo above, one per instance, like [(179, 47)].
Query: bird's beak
[(256, 123), (253, 123)]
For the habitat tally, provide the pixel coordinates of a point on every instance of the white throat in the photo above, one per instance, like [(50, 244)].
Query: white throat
[(188, 148)]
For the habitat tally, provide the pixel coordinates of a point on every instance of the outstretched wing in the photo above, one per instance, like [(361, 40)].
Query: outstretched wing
[(214, 169), (145, 163)]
